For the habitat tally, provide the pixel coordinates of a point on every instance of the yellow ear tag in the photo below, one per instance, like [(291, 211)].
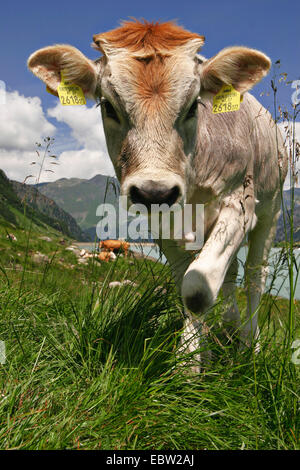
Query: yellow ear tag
[(226, 100), (70, 94)]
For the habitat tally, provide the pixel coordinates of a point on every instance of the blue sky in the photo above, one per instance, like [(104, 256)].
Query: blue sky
[(269, 25)]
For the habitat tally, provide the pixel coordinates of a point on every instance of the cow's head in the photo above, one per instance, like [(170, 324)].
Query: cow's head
[(148, 82)]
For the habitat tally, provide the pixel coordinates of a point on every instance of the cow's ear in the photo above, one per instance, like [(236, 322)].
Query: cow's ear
[(237, 66), (47, 64)]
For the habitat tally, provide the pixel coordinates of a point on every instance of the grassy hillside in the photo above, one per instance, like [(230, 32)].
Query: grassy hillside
[(89, 366), (9, 202)]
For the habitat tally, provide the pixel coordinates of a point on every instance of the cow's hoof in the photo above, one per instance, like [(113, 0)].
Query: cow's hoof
[(196, 293), (250, 340), (247, 344)]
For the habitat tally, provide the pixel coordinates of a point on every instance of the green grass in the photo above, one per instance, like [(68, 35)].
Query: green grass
[(94, 367)]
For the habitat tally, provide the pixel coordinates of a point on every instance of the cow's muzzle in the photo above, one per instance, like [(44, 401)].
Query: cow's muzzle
[(154, 192)]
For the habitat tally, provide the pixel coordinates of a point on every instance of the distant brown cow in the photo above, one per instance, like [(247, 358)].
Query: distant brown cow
[(116, 246), (104, 256)]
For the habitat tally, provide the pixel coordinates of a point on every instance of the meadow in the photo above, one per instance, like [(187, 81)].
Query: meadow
[(90, 366)]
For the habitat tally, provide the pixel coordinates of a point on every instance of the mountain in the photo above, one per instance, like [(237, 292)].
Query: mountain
[(10, 204), (20, 202), (54, 215), (288, 194), (81, 197)]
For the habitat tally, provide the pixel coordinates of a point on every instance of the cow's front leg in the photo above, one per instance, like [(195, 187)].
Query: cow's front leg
[(205, 275), (179, 259), (231, 318)]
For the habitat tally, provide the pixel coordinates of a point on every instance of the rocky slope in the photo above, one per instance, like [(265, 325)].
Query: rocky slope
[(57, 217), (20, 202)]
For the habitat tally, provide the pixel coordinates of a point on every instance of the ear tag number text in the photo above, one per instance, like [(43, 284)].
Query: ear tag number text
[(226, 100), (70, 94)]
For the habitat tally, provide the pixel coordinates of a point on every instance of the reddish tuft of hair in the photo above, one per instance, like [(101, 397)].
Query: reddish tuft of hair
[(147, 37)]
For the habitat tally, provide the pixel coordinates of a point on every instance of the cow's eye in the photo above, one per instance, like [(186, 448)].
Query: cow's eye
[(192, 111), (110, 110)]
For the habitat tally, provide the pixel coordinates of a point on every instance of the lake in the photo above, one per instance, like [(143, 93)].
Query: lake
[(277, 264)]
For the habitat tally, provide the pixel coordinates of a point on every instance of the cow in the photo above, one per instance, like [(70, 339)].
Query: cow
[(106, 256), (167, 146), (115, 246)]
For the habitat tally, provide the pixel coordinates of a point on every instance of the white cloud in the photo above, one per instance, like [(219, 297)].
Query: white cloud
[(84, 163), (85, 124), (16, 164), (22, 122), (87, 130), (79, 144)]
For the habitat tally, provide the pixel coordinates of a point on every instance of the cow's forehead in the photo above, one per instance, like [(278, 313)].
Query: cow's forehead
[(153, 83), (151, 66)]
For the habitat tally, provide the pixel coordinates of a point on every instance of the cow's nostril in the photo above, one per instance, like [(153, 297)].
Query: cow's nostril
[(151, 192), (134, 194)]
